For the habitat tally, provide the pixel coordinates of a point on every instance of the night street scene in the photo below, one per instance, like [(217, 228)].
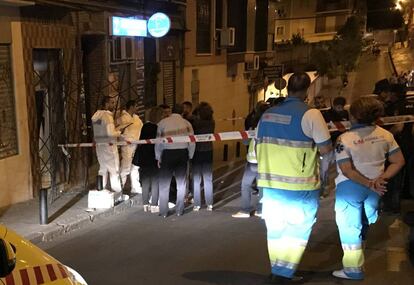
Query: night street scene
[(191, 142)]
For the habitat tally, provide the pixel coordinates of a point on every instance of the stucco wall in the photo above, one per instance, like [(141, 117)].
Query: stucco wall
[(191, 56), (15, 178), (225, 94), (7, 15)]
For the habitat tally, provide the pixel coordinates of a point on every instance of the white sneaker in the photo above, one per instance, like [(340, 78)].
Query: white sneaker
[(241, 215), (210, 208), (122, 197), (340, 274), (171, 205), (136, 191), (258, 214), (155, 209), (196, 208), (147, 208)]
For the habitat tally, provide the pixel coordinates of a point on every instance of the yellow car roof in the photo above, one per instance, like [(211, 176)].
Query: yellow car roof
[(33, 265)]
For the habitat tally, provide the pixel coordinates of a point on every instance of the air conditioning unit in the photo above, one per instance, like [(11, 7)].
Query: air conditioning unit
[(252, 62), (122, 49), (227, 37)]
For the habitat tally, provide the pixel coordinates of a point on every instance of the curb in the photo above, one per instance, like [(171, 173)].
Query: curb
[(82, 220)]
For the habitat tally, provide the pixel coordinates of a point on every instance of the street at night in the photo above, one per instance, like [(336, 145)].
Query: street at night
[(214, 248), (230, 142)]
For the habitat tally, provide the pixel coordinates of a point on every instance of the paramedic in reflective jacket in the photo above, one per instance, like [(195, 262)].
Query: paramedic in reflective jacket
[(290, 139), (360, 156)]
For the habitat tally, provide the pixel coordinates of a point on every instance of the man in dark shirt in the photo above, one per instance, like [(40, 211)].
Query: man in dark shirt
[(337, 112), (187, 111)]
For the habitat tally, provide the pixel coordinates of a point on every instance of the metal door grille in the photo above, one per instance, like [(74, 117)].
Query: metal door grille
[(51, 117)]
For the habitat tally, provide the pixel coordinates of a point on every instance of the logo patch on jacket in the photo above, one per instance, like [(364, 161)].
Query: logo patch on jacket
[(339, 147)]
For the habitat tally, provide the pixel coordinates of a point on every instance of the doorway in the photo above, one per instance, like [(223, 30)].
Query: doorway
[(50, 118)]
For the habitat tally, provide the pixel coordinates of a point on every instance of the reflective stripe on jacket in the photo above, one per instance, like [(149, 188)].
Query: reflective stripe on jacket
[(251, 152), (287, 158)]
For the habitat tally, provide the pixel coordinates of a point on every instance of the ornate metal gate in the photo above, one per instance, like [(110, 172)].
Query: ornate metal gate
[(50, 117), (66, 85)]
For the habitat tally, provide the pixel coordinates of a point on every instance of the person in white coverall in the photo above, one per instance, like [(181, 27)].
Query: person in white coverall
[(130, 125), (105, 132)]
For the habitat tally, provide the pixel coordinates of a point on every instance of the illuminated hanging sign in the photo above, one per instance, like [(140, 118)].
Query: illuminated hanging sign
[(128, 27), (158, 25)]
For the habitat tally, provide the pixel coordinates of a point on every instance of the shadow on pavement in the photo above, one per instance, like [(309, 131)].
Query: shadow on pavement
[(320, 277), (66, 206), (4, 210), (250, 278), (379, 234), (222, 277)]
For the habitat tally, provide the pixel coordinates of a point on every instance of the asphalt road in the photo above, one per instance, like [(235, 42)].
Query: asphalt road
[(214, 248)]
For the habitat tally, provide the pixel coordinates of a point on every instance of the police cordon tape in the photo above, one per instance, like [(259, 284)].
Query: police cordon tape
[(231, 119), (226, 136), (385, 121)]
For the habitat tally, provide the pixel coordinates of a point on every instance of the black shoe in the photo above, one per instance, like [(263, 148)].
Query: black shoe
[(164, 216), (276, 279), (179, 214)]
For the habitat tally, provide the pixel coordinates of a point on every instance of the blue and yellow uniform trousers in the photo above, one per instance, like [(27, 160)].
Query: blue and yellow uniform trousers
[(356, 207), (289, 217)]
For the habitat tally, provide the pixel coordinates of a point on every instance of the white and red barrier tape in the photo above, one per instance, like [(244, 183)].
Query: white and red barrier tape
[(231, 119), (385, 121), (236, 135)]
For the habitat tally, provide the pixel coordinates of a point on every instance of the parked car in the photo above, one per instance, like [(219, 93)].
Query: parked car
[(21, 262), (367, 44)]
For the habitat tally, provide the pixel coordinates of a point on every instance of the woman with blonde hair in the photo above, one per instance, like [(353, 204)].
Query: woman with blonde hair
[(360, 156)]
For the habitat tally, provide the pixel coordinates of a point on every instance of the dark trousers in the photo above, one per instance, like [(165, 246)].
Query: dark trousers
[(203, 169), (408, 191), (392, 198), (249, 175), (149, 184), (173, 163)]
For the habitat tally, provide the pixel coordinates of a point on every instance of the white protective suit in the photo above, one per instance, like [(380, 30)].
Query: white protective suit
[(108, 157), (133, 126)]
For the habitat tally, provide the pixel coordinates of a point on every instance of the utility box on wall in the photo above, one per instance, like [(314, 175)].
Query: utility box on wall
[(227, 37)]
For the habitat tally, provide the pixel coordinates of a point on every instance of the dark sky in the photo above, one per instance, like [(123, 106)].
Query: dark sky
[(381, 15)]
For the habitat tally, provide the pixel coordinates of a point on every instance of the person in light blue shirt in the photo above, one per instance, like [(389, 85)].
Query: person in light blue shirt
[(360, 156)]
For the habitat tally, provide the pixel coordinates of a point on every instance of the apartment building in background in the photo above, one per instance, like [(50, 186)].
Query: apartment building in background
[(314, 20), (227, 45)]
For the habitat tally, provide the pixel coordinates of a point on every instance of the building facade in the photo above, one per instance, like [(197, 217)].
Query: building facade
[(59, 58), (314, 20), (57, 61), (227, 44), (15, 178)]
